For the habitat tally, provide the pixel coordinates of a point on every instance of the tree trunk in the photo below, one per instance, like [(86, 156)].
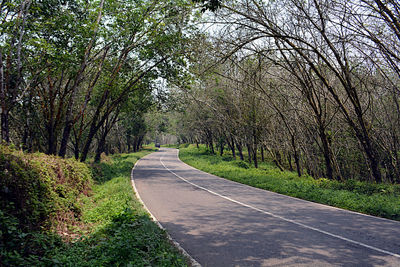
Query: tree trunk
[(296, 157), (100, 147), (239, 147), (134, 144), (129, 147), (139, 142), (275, 160), (233, 148), (255, 157), (249, 153), (24, 140), (327, 154), (254, 148), (210, 141), (262, 154), (289, 159), (92, 131), (212, 147), (278, 157), (65, 138), (5, 130), (51, 139), (5, 127), (373, 161), (76, 150)]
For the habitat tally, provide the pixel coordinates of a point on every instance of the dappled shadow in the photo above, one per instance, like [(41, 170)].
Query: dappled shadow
[(239, 238), (367, 229), (219, 232), (372, 231), (105, 171)]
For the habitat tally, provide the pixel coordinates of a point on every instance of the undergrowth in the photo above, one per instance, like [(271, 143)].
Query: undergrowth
[(370, 198), (111, 227)]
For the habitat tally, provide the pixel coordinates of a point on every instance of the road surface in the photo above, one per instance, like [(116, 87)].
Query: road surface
[(223, 223)]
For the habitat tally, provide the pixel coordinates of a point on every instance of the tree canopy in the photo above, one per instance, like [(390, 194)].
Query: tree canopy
[(312, 85)]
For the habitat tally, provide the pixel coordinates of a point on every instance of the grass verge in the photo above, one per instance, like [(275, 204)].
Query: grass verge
[(122, 232), (381, 200)]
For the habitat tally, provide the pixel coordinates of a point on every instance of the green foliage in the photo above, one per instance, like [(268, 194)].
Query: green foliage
[(37, 188), (117, 230), (242, 164), (128, 240), (39, 196), (171, 146), (112, 193), (122, 232), (370, 198), (227, 158)]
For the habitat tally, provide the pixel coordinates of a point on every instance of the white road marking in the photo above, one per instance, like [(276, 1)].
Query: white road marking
[(280, 217), (193, 262)]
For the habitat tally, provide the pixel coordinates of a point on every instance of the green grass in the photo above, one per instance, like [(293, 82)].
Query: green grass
[(375, 199), (112, 192), (111, 228), (122, 233)]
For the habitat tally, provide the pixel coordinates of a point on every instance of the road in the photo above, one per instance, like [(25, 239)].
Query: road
[(223, 223)]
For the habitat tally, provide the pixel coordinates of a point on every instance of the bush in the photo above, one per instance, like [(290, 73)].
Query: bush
[(38, 194), (43, 198), (227, 158), (41, 190)]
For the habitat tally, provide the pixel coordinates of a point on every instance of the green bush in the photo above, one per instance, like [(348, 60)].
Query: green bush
[(45, 198), (39, 196), (41, 190), (227, 158)]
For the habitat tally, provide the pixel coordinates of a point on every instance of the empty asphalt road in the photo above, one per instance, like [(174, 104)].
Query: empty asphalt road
[(223, 223)]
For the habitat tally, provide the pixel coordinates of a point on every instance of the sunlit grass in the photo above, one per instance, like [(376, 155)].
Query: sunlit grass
[(122, 232)]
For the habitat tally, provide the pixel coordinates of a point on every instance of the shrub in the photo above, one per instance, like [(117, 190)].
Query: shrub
[(37, 193)]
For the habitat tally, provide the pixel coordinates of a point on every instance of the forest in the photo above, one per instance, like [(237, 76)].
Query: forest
[(313, 85), (77, 75)]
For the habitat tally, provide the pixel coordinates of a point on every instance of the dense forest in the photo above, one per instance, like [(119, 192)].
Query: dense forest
[(311, 85)]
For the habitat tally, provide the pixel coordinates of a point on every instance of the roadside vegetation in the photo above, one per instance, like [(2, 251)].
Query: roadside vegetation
[(61, 212), (370, 198), (270, 80)]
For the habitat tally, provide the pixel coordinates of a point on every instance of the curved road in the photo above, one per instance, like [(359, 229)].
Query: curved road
[(223, 223)]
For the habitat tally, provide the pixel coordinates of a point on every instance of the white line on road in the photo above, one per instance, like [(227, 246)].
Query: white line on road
[(193, 262), (280, 217)]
